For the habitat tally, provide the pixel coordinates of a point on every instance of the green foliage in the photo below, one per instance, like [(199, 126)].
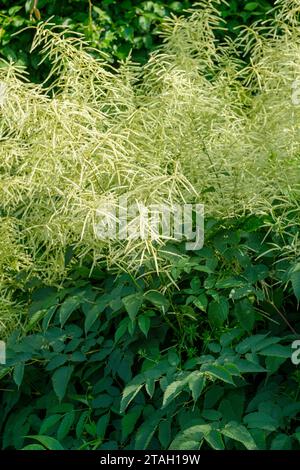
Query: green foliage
[(155, 371), (116, 27)]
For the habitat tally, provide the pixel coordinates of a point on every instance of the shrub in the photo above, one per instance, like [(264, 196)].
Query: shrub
[(195, 124)]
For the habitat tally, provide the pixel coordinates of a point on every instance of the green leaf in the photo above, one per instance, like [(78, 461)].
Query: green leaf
[(213, 395), (81, 423), (256, 273), (68, 307), (273, 363), (49, 422), (191, 438), (65, 425), (144, 323), (60, 380), (132, 305), (214, 439), (228, 337), (261, 420), (18, 373), (229, 282), (218, 312), (249, 367), (102, 424), (245, 314), (211, 415), (248, 344), (281, 442), (251, 6), (122, 328), (131, 390), (34, 447), (218, 371), (172, 391), (146, 431), (277, 350), (129, 421), (49, 442), (157, 299), (266, 342), (173, 358), (102, 401), (93, 315), (56, 362), (164, 433), (295, 280), (239, 433), (201, 302), (196, 384)]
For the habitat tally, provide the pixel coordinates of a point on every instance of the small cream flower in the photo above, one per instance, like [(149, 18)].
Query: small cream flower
[(2, 93)]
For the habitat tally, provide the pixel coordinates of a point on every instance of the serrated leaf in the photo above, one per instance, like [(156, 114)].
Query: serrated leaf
[(295, 280), (81, 423), (196, 384), (67, 308), (65, 425), (49, 422), (191, 438), (56, 361), (281, 442), (93, 315), (150, 386), (18, 373), (218, 312), (60, 380), (157, 299), (102, 424), (132, 305), (277, 350), (131, 390), (239, 433), (146, 431), (214, 439), (172, 391), (201, 302), (164, 433), (228, 337), (129, 421), (261, 420), (249, 343), (102, 401), (249, 367), (219, 372), (144, 323), (122, 328), (245, 314)]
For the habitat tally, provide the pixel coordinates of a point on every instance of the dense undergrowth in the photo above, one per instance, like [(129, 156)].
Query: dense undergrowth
[(139, 343), (111, 362)]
